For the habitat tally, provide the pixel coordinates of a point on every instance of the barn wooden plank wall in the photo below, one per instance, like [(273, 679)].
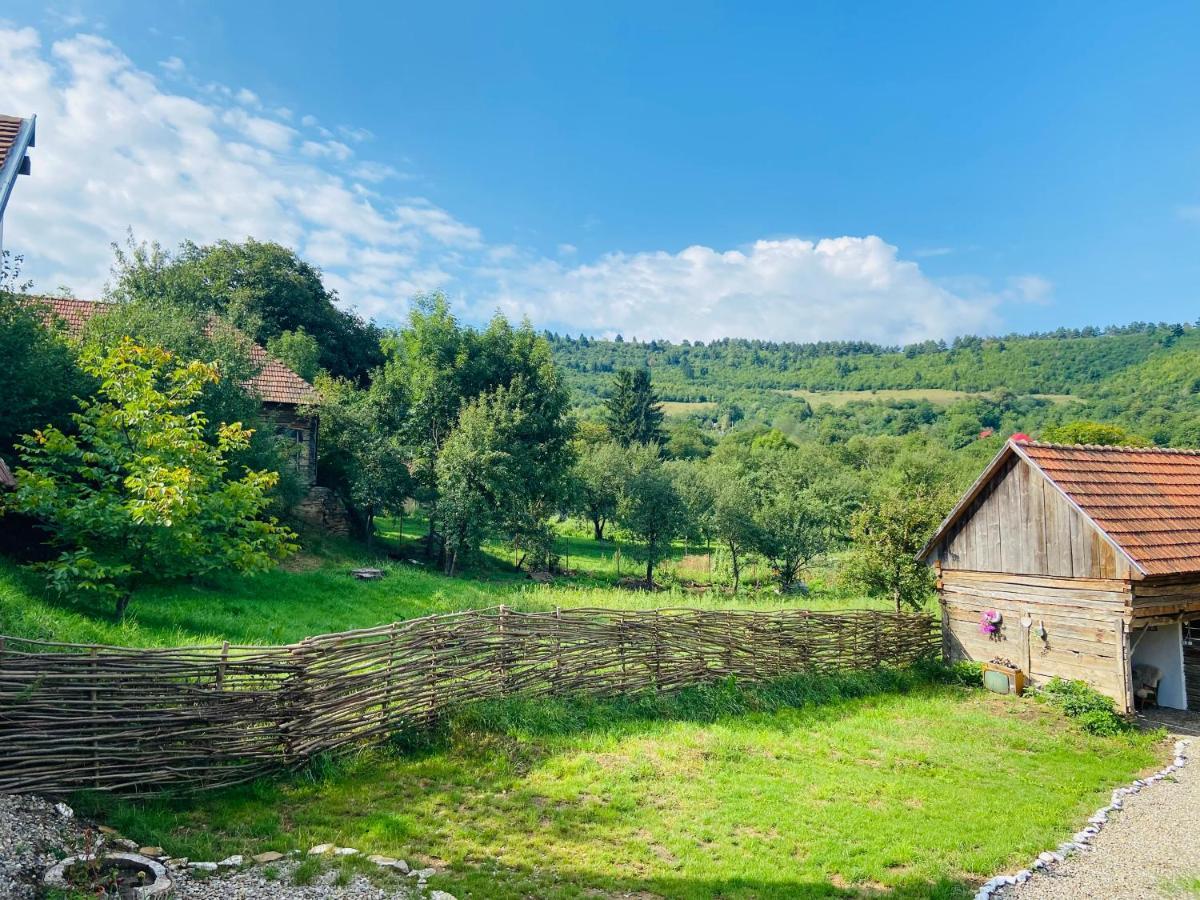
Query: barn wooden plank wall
[(1083, 619), (1022, 523), (121, 719)]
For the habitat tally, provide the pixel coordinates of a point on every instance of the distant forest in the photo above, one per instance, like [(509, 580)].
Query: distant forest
[(1144, 376)]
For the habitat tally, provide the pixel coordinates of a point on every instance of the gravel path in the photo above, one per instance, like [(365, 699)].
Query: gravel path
[(34, 834), (1151, 843)]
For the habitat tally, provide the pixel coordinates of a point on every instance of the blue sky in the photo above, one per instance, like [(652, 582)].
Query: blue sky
[(968, 168)]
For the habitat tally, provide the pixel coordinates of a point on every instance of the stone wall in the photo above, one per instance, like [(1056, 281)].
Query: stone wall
[(322, 508)]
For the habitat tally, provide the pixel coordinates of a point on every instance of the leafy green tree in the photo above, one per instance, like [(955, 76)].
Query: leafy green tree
[(687, 440), (480, 472), (650, 507), (696, 494), (1081, 431), (190, 334), (38, 378), (733, 521), (261, 287), (362, 453), (446, 367), (792, 531), (900, 514), (596, 484), (139, 493), (299, 350), (633, 413)]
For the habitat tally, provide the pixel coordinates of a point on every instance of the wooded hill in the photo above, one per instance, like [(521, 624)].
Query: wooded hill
[(1145, 376)]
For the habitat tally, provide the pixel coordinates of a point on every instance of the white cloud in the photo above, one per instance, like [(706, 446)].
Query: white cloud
[(118, 149), (790, 289), (173, 64)]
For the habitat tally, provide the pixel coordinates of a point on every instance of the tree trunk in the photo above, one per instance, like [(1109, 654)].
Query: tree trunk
[(122, 605), (649, 571), (370, 529), (597, 529), (429, 538), (737, 571)]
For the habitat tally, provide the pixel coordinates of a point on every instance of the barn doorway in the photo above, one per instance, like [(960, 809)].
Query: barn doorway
[(1161, 648)]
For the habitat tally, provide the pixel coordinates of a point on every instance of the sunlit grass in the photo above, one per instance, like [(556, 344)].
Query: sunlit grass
[(803, 788), (314, 593)]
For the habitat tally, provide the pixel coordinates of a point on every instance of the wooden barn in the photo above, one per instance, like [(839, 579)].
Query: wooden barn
[(1081, 562)]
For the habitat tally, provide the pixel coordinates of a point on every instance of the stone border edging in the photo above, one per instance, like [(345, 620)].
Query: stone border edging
[(56, 875), (1082, 838)]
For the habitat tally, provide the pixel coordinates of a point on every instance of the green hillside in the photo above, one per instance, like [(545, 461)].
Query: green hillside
[(1145, 376)]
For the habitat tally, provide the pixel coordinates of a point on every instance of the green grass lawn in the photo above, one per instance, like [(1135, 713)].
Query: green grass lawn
[(841, 787), (313, 593)]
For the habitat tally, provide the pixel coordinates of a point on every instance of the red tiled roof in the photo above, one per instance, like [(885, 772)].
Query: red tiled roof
[(1146, 500), (10, 129), (274, 383)]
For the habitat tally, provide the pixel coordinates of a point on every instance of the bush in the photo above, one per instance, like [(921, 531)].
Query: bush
[(1094, 711)]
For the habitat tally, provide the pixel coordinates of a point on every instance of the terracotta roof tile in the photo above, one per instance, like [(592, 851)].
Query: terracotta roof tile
[(10, 129), (1145, 499), (274, 383)]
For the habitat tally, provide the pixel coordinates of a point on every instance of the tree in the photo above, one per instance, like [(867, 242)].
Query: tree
[(263, 288), (792, 530), (38, 378), (299, 350), (189, 334), (139, 493), (1084, 432), (696, 494), (899, 515), (733, 516), (632, 412), (447, 367), (479, 473), (650, 507), (362, 453), (596, 484)]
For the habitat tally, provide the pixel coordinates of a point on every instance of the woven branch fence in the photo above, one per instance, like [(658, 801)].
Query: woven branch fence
[(78, 717)]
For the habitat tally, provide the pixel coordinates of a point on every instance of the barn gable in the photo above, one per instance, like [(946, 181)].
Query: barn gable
[(1015, 519)]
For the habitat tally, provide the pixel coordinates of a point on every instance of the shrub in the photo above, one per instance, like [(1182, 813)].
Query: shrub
[(1094, 711)]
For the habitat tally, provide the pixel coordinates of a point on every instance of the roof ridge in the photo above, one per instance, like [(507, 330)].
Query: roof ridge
[(1178, 451)]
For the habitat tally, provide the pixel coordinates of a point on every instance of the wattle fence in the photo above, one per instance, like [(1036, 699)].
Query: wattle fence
[(78, 717)]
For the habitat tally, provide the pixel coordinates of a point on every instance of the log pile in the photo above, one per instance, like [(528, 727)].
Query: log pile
[(105, 718)]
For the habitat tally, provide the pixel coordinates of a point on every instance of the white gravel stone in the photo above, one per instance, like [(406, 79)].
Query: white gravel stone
[(232, 862), (1123, 862), (344, 851)]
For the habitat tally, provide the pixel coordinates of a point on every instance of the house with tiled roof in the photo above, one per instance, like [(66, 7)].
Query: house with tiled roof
[(283, 393), (1081, 562), (16, 137)]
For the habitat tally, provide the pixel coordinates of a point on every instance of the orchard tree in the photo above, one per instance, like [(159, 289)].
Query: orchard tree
[(596, 484), (899, 515), (632, 412), (362, 453), (138, 492), (650, 507), (733, 522)]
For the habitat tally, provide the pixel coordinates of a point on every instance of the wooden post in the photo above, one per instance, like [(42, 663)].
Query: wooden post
[(1125, 703), (556, 677), (657, 653), (95, 721), (502, 661), (390, 675)]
